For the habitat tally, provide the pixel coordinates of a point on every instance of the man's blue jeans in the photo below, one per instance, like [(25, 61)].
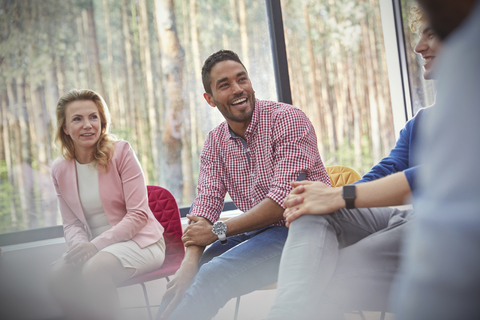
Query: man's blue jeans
[(246, 263)]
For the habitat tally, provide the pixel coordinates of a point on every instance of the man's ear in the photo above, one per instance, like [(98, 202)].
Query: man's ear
[(208, 97)]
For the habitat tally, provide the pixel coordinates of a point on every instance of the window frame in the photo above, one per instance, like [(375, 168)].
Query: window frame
[(398, 74)]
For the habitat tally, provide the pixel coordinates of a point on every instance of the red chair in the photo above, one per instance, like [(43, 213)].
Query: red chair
[(165, 209)]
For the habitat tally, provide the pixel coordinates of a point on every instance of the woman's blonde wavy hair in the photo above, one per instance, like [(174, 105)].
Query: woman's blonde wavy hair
[(105, 144)]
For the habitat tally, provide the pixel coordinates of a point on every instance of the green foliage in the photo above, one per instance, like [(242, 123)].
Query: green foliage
[(32, 31), (8, 197), (345, 156)]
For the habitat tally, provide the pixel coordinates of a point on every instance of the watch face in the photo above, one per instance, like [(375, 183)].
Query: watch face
[(349, 192), (219, 227)]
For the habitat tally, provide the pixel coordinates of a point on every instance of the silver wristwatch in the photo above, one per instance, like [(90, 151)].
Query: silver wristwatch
[(220, 229)]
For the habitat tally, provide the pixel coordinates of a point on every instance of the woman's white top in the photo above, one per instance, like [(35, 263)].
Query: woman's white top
[(128, 252), (89, 192)]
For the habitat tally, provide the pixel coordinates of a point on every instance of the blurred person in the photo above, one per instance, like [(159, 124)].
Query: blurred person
[(253, 155), (339, 259), (440, 275), (111, 233)]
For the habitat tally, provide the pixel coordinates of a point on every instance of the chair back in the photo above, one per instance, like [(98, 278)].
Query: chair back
[(165, 209), (341, 175)]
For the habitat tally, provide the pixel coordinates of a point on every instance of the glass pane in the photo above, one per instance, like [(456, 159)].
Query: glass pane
[(144, 57), (422, 91), (338, 76)]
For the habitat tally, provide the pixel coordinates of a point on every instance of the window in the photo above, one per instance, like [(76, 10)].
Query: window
[(144, 57), (338, 76)]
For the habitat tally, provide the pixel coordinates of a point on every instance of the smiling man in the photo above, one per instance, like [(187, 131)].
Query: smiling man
[(253, 155), (429, 44)]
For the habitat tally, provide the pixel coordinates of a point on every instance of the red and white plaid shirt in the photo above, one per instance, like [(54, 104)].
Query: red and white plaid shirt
[(280, 146)]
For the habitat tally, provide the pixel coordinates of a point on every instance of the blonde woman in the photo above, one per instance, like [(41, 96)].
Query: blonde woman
[(111, 233)]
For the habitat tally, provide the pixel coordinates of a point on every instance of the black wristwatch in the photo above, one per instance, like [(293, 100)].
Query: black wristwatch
[(220, 230), (349, 194)]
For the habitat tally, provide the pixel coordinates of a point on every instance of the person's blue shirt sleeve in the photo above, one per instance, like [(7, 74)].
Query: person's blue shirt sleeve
[(397, 161), (411, 173)]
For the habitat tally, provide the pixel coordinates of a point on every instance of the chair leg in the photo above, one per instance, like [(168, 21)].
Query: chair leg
[(147, 302), (237, 306), (382, 316)]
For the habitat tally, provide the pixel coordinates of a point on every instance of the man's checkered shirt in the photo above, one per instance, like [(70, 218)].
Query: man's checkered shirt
[(280, 145)]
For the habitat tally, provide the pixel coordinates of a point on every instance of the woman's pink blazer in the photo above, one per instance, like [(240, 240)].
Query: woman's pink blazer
[(124, 198)]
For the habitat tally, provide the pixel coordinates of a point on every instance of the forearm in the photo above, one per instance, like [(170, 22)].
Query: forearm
[(309, 197), (74, 233), (199, 232), (183, 279), (192, 256), (392, 190), (263, 214)]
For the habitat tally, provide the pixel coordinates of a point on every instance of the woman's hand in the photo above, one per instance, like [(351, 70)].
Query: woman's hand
[(311, 197), (79, 253)]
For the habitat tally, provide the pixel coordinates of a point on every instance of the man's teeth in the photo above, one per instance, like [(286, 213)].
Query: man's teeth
[(239, 101)]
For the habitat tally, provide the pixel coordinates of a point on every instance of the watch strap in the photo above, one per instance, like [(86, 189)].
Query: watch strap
[(223, 238), (349, 194)]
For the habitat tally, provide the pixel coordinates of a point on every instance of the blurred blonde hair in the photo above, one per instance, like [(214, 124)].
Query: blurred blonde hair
[(417, 18), (105, 144)]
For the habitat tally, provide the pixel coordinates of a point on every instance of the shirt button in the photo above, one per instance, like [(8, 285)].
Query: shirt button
[(253, 174), (248, 149), (253, 199)]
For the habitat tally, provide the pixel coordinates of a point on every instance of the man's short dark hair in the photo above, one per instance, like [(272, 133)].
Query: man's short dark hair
[(219, 56)]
